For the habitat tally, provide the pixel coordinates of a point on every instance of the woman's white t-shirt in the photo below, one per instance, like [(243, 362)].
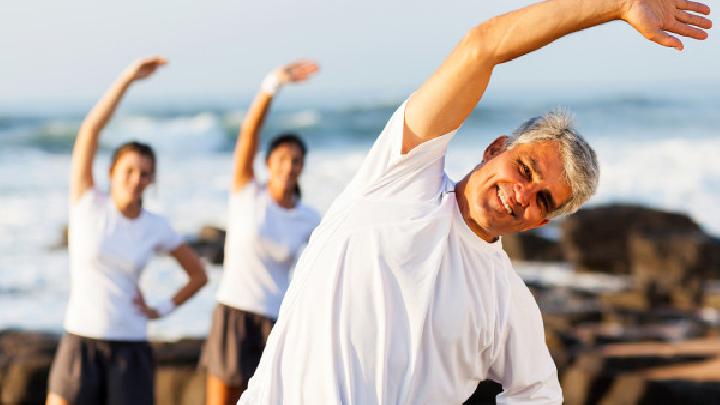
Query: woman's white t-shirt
[(396, 301), (262, 244), (108, 252)]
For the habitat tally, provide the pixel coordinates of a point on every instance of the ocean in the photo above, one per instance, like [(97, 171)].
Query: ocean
[(660, 151)]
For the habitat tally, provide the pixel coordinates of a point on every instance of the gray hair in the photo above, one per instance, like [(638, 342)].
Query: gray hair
[(580, 163)]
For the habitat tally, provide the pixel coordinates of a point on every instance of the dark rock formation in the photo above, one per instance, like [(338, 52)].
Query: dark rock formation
[(26, 357), (646, 373), (671, 267), (530, 246), (178, 380), (596, 239), (210, 244)]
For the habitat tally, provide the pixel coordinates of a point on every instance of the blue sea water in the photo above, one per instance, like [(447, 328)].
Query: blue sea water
[(659, 151)]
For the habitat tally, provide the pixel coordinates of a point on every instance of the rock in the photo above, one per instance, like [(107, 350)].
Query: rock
[(26, 357), (596, 239), (178, 380), (694, 383), (619, 303), (530, 246), (681, 392), (179, 386), (613, 374), (671, 268), (210, 244)]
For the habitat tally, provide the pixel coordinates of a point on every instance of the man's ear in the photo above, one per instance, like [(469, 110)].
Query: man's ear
[(495, 148)]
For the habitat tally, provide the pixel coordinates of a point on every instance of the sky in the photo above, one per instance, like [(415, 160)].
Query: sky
[(66, 53)]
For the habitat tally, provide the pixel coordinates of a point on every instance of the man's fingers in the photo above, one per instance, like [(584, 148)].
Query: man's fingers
[(692, 19), (693, 6), (665, 39), (687, 31)]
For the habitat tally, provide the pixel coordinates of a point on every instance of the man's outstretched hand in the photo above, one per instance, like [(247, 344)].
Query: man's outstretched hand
[(656, 19)]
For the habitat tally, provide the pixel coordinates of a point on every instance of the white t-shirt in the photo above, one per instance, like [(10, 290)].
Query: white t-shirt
[(396, 301), (108, 252), (262, 244)]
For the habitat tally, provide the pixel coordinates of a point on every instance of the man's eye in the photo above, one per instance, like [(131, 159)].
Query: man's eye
[(525, 170), (544, 204)]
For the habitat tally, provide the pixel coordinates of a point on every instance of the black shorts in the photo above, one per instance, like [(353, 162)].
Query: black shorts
[(234, 345), (94, 371)]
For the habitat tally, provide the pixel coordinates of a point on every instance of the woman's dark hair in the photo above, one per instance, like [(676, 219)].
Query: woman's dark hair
[(140, 148), (284, 139)]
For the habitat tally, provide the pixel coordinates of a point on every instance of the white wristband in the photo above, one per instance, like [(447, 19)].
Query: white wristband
[(270, 84), (165, 307)]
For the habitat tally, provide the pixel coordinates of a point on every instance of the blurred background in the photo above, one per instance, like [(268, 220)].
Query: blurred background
[(637, 267)]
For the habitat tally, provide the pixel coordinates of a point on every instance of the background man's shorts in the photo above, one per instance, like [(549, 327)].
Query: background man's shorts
[(235, 343), (91, 371)]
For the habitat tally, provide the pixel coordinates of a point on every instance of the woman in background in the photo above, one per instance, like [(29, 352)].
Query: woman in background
[(267, 228), (104, 357)]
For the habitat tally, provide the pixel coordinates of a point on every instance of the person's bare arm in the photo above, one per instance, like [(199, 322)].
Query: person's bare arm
[(197, 278), (247, 140), (445, 100), (86, 142), (190, 262)]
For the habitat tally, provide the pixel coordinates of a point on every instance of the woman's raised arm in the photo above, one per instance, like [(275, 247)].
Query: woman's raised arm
[(86, 142), (247, 140)]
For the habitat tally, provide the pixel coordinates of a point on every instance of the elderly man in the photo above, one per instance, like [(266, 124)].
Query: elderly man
[(404, 294)]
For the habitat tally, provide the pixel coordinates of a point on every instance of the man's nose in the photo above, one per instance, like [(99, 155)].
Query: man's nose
[(524, 193)]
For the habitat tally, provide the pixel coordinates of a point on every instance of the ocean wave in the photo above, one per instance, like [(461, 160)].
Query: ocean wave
[(209, 130)]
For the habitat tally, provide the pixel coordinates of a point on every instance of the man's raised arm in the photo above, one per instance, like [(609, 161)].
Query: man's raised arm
[(445, 100)]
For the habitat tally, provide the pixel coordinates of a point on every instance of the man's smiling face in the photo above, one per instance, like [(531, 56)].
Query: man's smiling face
[(514, 190)]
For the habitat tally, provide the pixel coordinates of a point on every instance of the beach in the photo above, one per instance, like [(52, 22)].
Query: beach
[(652, 158)]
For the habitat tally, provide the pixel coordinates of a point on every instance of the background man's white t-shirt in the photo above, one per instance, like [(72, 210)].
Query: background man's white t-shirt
[(108, 252), (396, 301), (262, 244)]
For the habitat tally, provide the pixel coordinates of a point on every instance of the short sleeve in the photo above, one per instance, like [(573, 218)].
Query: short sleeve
[(523, 365), (241, 200), (91, 199), (168, 240), (387, 172)]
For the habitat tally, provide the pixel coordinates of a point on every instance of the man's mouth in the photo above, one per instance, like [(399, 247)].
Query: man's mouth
[(504, 200)]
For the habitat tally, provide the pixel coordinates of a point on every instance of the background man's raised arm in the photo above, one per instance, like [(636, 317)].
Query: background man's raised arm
[(445, 100)]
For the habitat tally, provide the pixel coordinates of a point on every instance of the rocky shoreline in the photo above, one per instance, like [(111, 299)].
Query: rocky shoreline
[(654, 340)]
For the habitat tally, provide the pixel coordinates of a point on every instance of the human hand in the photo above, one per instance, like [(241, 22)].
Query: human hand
[(655, 18), (297, 71), (143, 68), (141, 305)]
